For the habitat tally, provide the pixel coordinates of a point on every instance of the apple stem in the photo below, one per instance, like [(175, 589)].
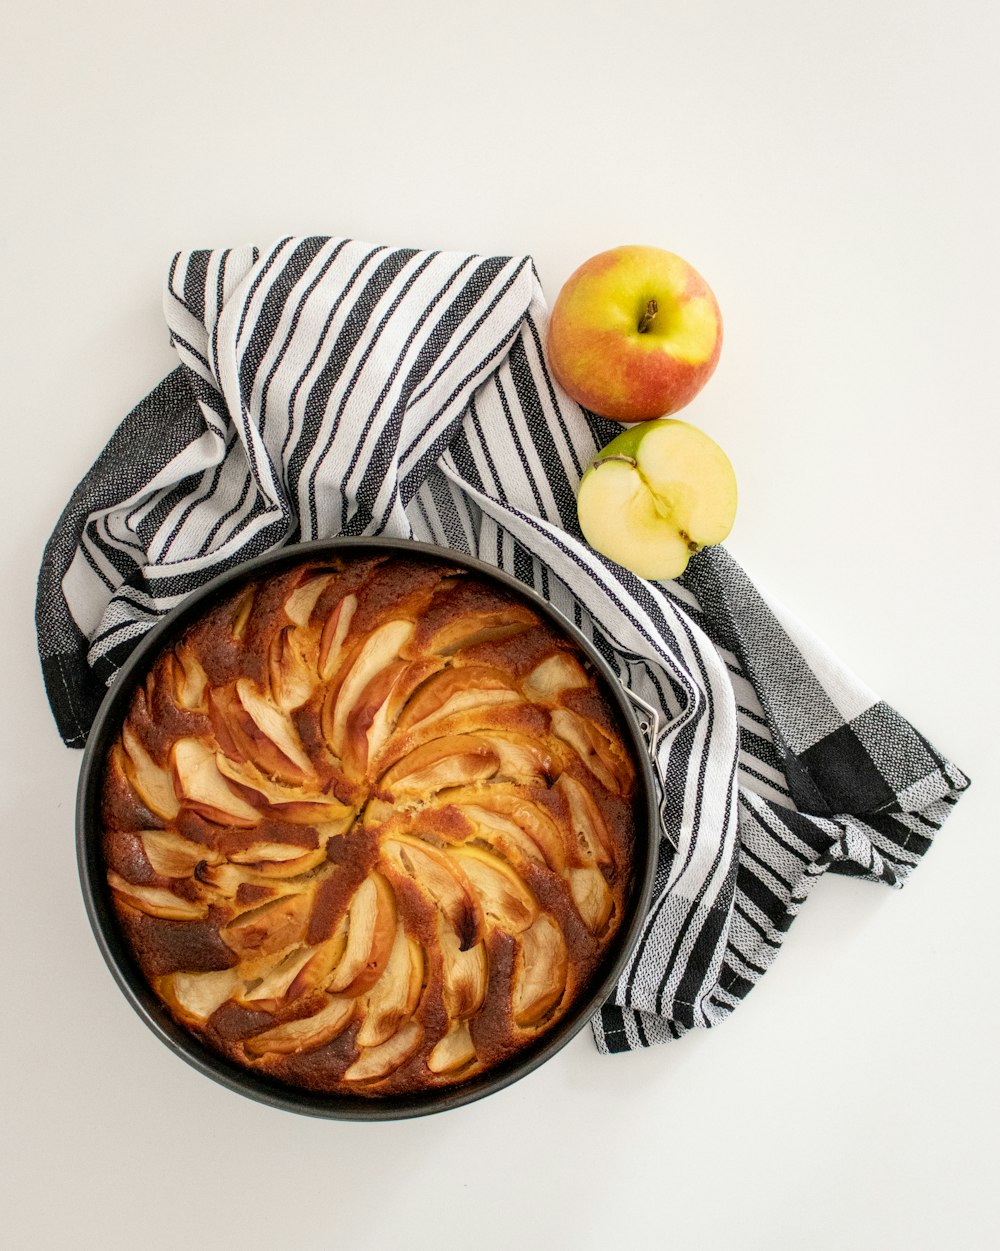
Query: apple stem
[(628, 460), (649, 316)]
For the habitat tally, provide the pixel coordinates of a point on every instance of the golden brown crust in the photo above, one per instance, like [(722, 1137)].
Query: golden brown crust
[(368, 825)]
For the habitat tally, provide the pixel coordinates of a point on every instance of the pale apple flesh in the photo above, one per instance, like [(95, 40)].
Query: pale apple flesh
[(635, 333), (656, 495)]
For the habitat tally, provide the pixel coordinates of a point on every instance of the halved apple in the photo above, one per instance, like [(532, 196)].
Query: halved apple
[(656, 494)]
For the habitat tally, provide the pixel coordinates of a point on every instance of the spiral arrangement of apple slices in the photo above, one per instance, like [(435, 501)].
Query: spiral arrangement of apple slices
[(368, 825)]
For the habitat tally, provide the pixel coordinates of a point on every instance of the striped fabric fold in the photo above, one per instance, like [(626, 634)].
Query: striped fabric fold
[(332, 387)]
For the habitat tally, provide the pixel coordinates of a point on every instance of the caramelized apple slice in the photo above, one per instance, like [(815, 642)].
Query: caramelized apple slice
[(455, 690), (454, 1051), (595, 748), (464, 973), (297, 804), (305, 1034), (203, 787), (503, 803), (504, 835), (269, 992), (301, 602), (540, 973), (195, 996), (547, 681), (455, 760), (381, 648), (273, 860), (325, 957), (331, 644), (589, 827), (369, 723), (370, 933), (394, 996), (171, 855), (152, 784), (376, 1062), (156, 901), (592, 897), (521, 759), (292, 669), (190, 679), (440, 877), (272, 927), (506, 901), (275, 726)]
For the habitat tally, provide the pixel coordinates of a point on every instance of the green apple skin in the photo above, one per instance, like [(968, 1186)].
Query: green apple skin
[(658, 493)]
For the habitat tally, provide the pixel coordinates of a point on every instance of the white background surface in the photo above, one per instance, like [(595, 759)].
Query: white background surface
[(832, 171)]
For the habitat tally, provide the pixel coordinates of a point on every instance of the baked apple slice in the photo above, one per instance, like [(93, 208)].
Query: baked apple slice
[(195, 996), (595, 747), (305, 1034), (393, 999), (590, 832), (592, 897), (376, 1062), (454, 1051), (505, 900), (457, 690), (204, 789), (380, 649), (546, 683), (441, 878), (172, 855), (454, 760), (465, 973), (540, 971), (271, 928), (153, 784), (156, 901), (333, 636), (371, 931)]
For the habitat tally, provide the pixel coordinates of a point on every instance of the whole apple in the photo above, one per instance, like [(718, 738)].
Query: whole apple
[(657, 494), (635, 334)]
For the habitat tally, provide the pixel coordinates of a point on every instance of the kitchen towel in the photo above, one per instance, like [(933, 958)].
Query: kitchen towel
[(333, 387)]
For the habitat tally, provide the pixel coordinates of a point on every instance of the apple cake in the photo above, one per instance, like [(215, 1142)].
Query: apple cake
[(368, 825)]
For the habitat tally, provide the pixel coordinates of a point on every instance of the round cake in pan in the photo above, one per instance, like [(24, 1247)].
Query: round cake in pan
[(368, 825)]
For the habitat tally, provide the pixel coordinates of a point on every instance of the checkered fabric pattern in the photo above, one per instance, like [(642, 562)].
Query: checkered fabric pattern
[(332, 387)]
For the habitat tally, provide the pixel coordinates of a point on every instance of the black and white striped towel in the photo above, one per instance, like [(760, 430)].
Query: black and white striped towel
[(331, 387)]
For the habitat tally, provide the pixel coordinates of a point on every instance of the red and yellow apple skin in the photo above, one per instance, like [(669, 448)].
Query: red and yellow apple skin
[(635, 333)]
